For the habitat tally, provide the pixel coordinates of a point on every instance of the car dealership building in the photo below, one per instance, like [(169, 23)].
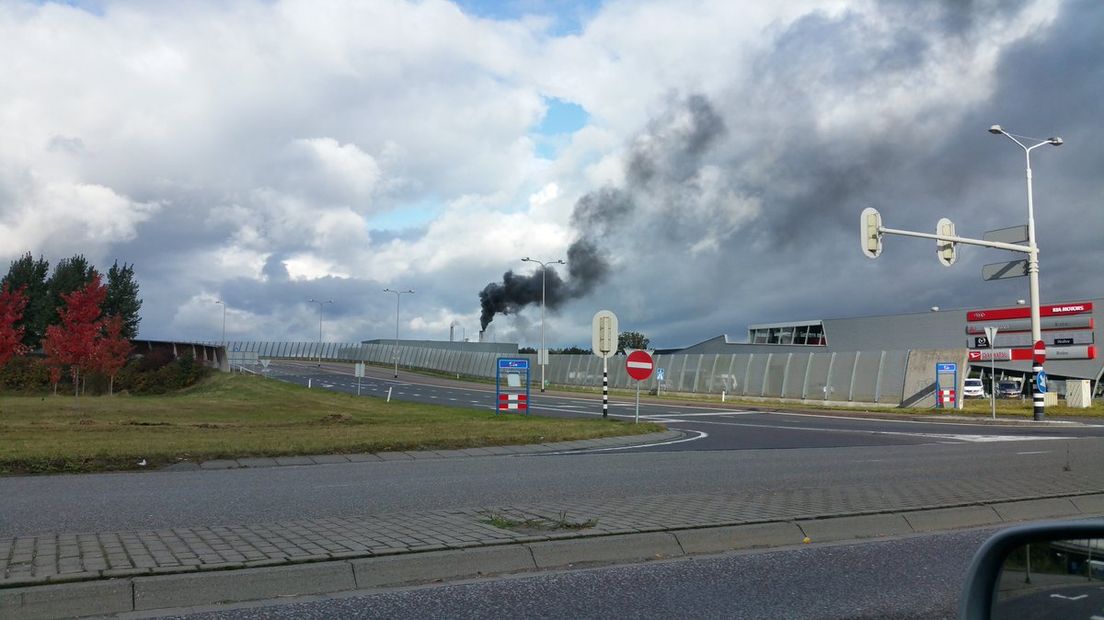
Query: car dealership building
[(1069, 330)]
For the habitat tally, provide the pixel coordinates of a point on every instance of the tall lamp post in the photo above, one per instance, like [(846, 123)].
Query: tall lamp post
[(542, 355), (320, 304), (1032, 258), (395, 351), (223, 304)]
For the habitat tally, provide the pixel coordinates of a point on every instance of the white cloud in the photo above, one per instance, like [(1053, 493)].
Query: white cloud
[(202, 141)]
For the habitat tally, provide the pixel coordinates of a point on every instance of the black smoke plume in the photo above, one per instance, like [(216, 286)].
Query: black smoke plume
[(665, 156)]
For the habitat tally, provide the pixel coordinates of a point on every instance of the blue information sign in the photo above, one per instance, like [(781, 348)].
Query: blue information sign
[(946, 367), (506, 362)]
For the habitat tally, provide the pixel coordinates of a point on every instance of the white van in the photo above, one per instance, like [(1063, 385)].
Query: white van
[(973, 388)]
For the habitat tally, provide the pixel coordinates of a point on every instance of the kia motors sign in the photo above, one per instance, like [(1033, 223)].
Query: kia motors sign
[(639, 365), (1024, 312)]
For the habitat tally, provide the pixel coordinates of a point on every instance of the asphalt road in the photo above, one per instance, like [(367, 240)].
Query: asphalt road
[(107, 502), (708, 427), (727, 451), (916, 577)]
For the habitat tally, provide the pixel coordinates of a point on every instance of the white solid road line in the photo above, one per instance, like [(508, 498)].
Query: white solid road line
[(701, 435), (857, 431), (702, 415), (932, 421)]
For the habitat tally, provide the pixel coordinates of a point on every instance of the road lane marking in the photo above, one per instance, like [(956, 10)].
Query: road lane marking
[(1037, 452), (858, 431), (1058, 423), (701, 435), (704, 415)]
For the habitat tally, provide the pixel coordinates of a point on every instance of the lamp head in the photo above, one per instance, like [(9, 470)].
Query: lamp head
[(995, 129), (1055, 141)]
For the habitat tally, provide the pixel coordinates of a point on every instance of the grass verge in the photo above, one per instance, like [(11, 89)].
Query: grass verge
[(233, 416), (532, 525)]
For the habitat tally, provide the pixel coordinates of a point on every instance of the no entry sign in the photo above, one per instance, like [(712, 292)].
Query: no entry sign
[(1039, 354), (639, 365)]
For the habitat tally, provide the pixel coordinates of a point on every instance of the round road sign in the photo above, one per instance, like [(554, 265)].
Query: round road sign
[(639, 365), (1039, 353)]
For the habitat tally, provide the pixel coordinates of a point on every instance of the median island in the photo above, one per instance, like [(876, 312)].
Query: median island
[(235, 416)]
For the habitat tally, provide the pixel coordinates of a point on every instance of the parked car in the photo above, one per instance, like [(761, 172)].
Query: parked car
[(1009, 389), (973, 388)]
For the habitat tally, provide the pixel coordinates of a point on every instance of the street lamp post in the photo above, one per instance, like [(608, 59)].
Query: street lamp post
[(542, 355), (223, 304), (320, 304), (395, 351), (1038, 397)]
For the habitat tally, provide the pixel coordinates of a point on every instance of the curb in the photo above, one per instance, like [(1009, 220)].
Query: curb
[(149, 593)]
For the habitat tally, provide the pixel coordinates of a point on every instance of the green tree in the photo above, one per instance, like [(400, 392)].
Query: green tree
[(572, 350), (70, 274), (122, 298), (631, 340), (29, 274)]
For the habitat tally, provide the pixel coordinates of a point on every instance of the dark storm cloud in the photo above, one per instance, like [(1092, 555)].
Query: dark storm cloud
[(661, 160), (798, 259)]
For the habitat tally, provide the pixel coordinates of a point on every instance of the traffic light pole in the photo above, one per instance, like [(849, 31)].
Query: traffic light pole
[(872, 231)]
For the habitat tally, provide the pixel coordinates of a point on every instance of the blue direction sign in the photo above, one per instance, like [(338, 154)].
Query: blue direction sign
[(946, 367), (1041, 382), (519, 363)]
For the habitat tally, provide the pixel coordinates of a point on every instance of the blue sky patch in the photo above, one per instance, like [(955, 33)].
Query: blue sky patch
[(562, 119), (569, 16), (412, 216)]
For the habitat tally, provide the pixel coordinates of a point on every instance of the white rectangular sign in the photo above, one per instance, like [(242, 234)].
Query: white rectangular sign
[(359, 369), (1024, 325), (1023, 339), (1074, 352)]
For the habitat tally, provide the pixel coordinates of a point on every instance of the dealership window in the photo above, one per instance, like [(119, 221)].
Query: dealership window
[(808, 333)]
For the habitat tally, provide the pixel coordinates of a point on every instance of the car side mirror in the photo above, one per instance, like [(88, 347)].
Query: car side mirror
[(1048, 570)]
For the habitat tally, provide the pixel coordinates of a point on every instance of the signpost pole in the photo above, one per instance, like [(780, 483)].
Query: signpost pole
[(991, 336), (605, 387), (993, 381), (604, 344), (637, 420)]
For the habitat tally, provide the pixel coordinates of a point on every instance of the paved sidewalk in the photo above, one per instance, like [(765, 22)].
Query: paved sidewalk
[(66, 557)]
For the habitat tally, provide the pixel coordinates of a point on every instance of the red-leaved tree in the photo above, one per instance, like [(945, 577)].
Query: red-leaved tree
[(12, 304), (112, 350), (73, 343)]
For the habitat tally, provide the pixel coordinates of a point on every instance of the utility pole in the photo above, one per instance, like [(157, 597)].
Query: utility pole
[(395, 350)]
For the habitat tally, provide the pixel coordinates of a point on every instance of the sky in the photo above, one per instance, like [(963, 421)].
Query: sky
[(701, 165)]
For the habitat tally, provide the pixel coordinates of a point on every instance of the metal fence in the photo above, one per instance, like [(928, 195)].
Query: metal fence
[(863, 376)]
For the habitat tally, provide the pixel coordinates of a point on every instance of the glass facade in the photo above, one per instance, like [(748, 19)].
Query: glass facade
[(806, 334)]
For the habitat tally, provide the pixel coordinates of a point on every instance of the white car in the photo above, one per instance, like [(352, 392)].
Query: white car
[(973, 388)]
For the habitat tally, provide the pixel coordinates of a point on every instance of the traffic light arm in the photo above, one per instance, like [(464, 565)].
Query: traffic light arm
[(1012, 247)]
